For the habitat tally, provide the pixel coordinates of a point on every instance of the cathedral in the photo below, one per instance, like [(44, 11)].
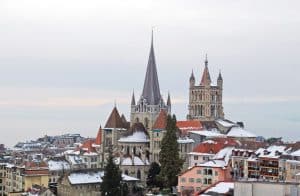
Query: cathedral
[(205, 99)]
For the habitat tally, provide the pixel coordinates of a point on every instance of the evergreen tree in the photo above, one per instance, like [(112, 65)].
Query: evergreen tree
[(152, 180), (169, 159), (111, 181)]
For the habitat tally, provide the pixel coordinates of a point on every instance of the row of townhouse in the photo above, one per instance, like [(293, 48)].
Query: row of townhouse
[(226, 159)]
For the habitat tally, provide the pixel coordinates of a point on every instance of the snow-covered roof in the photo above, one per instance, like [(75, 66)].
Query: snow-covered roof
[(208, 133), (185, 140), (271, 152), (90, 154), (239, 132), (129, 161), (224, 155), (213, 163), (209, 142), (139, 137), (91, 177), (201, 154), (225, 123), (221, 188), (296, 153), (58, 165)]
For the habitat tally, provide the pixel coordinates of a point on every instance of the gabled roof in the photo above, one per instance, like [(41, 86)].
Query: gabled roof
[(151, 91), (205, 76), (114, 120), (161, 121), (213, 146), (88, 145)]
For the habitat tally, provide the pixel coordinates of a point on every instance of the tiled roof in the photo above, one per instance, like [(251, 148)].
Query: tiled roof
[(88, 145), (114, 120), (189, 125), (215, 145), (205, 76), (161, 121), (98, 140)]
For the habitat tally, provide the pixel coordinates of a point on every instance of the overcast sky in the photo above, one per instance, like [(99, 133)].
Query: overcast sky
[(64, 62)]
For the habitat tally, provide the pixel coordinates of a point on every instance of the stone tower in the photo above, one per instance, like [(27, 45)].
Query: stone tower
[(149, 105), (205, 100)]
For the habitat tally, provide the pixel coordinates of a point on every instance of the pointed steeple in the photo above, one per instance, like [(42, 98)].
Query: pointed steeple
[(151, 90), (192, 76), (169, 100), (220, 76), (133, 99), (98, 140), (205, 76)]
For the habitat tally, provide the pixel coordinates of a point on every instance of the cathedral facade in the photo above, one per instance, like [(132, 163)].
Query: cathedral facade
[(205, 99)]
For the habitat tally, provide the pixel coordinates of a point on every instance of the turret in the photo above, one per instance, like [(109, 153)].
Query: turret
[(192, 79), (133, 99), (169, 103), (220, 80)]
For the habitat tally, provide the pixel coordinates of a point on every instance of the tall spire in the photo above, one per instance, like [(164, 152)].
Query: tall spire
[(133, 98), (205, 76), (151, 90), (169, 100)]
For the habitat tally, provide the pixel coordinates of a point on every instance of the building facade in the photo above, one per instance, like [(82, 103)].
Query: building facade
[(205, 99)]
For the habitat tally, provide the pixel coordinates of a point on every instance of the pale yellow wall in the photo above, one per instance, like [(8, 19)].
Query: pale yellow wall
[(39, 180)]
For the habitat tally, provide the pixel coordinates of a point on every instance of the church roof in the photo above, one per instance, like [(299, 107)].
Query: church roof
[(98, 140), (205, 76), (161, 121), (151, 91), (114, 120)]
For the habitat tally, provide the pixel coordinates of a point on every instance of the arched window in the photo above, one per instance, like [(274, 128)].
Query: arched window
[(126, 172), (127, 150), (146, 121), (201, 110), (138, 174)]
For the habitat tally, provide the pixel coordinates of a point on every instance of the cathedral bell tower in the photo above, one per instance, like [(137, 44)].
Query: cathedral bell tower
[(205, 99)]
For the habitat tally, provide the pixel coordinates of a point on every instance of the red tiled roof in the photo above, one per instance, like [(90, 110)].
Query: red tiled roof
[(189, 125), (216, 146), (114, 120), (88, 145), (98, 140), (161, 121)]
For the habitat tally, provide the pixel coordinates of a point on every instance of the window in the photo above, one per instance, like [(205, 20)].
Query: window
[(195, 157), (191, 180), (216, 173), (209, 181), (199, 171), (198, 180), (182, 179)]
